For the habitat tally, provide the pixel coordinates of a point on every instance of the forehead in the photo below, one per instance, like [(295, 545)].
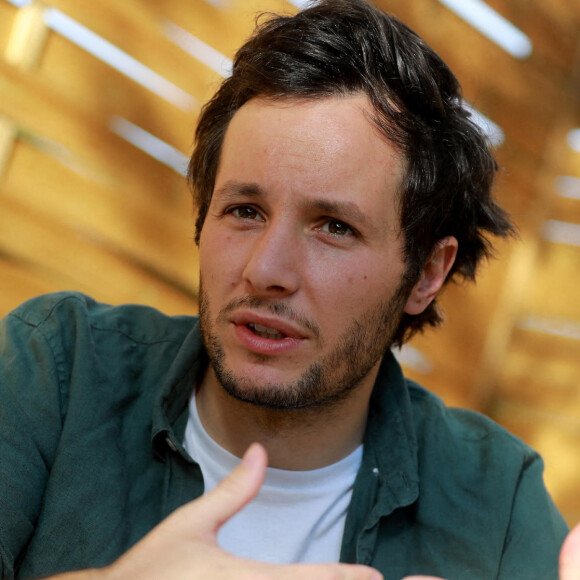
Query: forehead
[(326, 147)]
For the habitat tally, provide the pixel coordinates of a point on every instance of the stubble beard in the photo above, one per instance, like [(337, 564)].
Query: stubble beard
[(324, 383)]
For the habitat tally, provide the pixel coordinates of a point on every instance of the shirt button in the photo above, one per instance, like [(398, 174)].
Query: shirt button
[(170, 444)]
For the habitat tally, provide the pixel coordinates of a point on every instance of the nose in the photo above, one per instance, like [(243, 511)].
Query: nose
[(272, 268)]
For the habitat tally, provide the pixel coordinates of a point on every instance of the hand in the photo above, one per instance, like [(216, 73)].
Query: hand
[(184, 545), (570, 556)]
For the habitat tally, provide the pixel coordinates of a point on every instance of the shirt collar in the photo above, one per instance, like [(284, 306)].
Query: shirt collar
[(390, 439), (171, 406)]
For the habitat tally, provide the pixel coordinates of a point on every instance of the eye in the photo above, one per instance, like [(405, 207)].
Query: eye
[(245, 212), (337, 228)]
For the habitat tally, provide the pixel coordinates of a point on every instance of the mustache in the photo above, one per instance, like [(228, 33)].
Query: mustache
[(280, 309)]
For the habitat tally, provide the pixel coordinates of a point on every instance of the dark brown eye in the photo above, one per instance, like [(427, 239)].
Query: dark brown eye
[(245, 212), (338, 228)]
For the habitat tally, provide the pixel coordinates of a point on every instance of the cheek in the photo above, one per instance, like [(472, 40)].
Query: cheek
[(221, 261), (336, 292), (347, 289), (343, 271)]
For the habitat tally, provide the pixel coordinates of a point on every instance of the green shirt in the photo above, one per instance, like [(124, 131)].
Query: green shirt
[(93, 408)]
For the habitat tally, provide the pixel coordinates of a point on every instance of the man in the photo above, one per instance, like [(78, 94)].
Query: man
[(340, 183)]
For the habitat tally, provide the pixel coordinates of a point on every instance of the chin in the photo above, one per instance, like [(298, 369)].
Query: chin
[(277, 390)]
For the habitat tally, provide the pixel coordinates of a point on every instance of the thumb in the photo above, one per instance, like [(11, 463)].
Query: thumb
[(234, 491), (570, 556)]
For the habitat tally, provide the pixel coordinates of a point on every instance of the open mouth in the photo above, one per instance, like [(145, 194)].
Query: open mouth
[(265, 332)]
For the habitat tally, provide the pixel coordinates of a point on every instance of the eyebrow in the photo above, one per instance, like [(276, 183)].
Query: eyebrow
[(234, 189)]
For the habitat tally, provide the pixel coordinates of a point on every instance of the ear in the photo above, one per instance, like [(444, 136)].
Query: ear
[(433, 275)]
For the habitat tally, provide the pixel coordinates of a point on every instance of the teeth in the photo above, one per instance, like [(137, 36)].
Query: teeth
[(266, 332)]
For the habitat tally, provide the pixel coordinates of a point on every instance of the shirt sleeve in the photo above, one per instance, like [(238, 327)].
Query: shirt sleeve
[(536, 530), (30, 425)]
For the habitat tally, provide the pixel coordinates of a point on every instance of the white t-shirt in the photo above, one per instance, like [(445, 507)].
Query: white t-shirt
[(298, 516)]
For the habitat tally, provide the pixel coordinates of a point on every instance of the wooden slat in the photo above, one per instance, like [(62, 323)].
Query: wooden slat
[(565, 209), (147, 229), (521, 179), (527, 128), (552, 27), (569, 159), (226, 28), (19, 284), (7, 14), (135, 29), (555, 284), (101, 92), (37, 107), (208, 23), (8, 132), (27, 37), (548, 367), (83, 264)]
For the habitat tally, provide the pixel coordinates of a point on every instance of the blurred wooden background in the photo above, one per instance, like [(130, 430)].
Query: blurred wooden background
[(84, 207)]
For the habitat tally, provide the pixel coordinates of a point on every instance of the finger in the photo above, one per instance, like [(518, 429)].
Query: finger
[(234, 492), (570, 556)]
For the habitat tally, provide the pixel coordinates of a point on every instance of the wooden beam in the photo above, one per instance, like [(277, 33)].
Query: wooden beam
[(146, 229), (36, 107), (27, 38), (77, 261), (520, 277), (7, 138)]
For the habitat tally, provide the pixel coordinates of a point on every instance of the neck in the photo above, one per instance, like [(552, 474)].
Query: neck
[(296, 439)]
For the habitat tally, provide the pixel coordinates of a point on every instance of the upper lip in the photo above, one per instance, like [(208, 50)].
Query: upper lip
[(244, 317)]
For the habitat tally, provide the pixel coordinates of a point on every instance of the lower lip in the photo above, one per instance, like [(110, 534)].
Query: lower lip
[(267, 346)]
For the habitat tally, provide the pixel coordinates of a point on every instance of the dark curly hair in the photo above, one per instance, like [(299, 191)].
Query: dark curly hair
[(341, 47)]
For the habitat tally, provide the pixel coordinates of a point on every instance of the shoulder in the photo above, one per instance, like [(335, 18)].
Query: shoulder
[(36, 311), (69, 349), (463, 440), (75, 312), (68, 334), (430, 412)]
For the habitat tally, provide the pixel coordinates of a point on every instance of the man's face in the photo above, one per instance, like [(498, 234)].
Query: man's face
[(300, 252)]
